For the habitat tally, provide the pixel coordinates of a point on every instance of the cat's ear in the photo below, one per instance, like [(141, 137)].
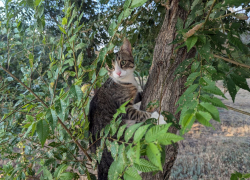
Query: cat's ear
[(126, 46)]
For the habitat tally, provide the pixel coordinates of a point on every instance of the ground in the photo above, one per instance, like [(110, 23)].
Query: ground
[(215, 154)]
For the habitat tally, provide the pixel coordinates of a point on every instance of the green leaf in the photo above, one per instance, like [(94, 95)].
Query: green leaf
[(106, 130), (190, 89), (114, 149), (52, 118), (47, 174), (190, 42), (42, 129), (195, 2), (62, 29), (215, 101), (64, 21), (114, 126), (212, 110), (187, 120), (140, 133), (231, 88), (121, 130), (233, 177), (131, 174), (130, 131), (67, 176), (29, 118), (191, 78), (80, 46), (194, 66), (168, 138), (112, 27), (145, 166), (204, 118), (246, 175), (138, 152), (154, 155), (126, 4), (204, 81), (72, 38), (103, 71), (236, 42), (113, 172), (127, 13), (183, 66), (240, 81), (60, 170), (209, 69), (137, 3), (154, 133), (40, 13), (121, 154), (31, 60), (37, 2), (213, 89), (76, 92), (61, 111)]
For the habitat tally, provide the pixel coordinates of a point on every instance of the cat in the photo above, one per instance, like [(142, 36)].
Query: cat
[(120, 87)]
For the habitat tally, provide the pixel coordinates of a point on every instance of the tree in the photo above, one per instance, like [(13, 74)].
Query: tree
[(47, 78), (161, 84)]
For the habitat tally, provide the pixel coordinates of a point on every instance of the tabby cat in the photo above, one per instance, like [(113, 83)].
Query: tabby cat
[(119, 88)]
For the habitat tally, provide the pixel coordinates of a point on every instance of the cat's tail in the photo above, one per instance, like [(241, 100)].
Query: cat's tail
[(104, 165)]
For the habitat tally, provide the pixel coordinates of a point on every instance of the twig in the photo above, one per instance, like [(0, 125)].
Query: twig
[(231, 61), (232, 13), (94, 143), (211, 8), (237, 110)]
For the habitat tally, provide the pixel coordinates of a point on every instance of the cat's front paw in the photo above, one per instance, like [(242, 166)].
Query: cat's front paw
[(156, 116)]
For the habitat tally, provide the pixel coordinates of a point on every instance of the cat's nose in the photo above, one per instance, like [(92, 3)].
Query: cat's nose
[(118, 73)]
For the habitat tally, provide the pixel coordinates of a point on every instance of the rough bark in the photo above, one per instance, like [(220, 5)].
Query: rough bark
[(161, 85)]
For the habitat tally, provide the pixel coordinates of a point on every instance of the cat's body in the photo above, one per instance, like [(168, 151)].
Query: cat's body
[(119, 88)]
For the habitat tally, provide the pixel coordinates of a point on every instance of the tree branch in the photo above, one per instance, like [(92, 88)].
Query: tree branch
[(24, 86), (231, 61), (59, 120)]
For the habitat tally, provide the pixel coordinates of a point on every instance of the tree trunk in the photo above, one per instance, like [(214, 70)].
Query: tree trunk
[(161, 85)]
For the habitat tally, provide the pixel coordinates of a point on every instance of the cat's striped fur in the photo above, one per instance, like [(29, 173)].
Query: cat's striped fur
[(119, 88)]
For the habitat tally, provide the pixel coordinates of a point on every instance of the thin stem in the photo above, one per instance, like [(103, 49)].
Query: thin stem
[(232, 61), (75, 64), (237, 110), (94, 143), (211, 8), (200, 77), (30, 90), (232, 13)]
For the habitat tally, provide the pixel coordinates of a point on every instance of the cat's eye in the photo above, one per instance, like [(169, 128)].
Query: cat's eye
[(123, 63)]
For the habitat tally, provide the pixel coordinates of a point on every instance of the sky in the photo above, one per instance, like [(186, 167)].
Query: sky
[(1, 4)]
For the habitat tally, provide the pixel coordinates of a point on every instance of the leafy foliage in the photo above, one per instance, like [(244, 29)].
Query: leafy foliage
[(49, 65)]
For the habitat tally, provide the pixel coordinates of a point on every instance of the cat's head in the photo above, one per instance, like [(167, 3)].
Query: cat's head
[(123, 65)]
